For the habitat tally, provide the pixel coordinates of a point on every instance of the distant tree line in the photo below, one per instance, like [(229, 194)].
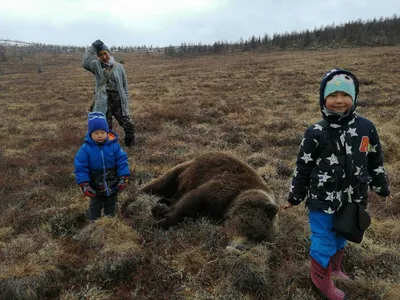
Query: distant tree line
[(12, 50), (376, 32), (18, 50)]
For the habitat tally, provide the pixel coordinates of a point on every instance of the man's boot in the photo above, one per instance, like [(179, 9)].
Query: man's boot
[(129, 140), (321, 278), (336, 265)]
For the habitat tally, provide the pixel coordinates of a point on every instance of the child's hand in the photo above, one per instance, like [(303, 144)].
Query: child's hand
[(287, 205), (122, 183), (87, 189)]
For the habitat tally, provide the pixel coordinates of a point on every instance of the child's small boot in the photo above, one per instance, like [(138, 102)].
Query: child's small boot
[(321, 278), (336, 265)]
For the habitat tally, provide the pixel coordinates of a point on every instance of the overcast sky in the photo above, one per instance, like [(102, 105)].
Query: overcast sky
[(171, 22)]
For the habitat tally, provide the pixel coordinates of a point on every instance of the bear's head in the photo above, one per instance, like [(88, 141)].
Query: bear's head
[(252, 217)]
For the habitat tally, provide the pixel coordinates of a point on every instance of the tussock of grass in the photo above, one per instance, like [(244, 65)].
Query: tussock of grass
[(366, 81), (118, 248), (248, 271), (391, 145), (136, 210), (393, 292), (381, 207), (385, 232), (284, 170), (257, 160), (85, 292), (202, 234), (370, 261), (109, 235), (5, 233), (30, 266), (364, 289), (67, 222)]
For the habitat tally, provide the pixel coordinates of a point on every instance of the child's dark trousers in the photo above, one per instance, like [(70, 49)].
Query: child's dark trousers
[(97, 203)]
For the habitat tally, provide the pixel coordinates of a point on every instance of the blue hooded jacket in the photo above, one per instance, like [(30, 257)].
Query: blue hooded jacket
[(101, 164)]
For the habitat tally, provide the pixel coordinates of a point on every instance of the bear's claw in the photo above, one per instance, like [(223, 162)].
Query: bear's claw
[(159, 210)]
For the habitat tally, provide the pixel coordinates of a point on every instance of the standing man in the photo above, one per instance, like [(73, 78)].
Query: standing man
[(111, 93)]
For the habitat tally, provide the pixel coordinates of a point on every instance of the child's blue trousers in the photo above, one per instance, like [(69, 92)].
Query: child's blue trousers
[(325, 241)]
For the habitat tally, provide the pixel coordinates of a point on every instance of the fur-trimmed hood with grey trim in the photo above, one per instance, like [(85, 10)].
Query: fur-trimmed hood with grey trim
[(91, 63)]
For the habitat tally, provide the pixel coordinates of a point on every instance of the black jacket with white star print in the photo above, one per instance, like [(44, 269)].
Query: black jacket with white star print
[(326, 177)]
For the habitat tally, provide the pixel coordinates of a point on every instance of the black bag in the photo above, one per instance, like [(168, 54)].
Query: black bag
[(351, 221)]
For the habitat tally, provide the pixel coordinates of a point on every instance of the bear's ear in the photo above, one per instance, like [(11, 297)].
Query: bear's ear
[(271, 209)]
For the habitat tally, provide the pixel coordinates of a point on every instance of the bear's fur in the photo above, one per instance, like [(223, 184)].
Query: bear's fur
[(221, 186)]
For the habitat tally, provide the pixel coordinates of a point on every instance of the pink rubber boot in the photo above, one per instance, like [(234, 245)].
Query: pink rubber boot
[(336, 265), (321, 278)]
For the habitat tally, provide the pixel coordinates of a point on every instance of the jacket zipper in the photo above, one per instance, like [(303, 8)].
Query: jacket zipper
[(104, 172)]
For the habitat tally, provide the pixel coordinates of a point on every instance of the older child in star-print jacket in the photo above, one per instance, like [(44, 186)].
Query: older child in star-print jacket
[(320, 178)]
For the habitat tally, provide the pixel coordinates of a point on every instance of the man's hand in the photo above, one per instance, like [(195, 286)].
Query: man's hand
[(97, 43), (87, 189)]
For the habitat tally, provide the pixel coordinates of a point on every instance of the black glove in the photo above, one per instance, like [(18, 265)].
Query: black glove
[(97, 43)]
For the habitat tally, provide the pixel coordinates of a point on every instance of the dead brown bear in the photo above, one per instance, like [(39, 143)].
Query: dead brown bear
[(221, 186)]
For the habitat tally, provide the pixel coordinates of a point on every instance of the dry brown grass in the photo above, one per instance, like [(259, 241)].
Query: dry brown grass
[(255, 105)]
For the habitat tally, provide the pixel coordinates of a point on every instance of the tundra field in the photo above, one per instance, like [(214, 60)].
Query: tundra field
[(254, 105)]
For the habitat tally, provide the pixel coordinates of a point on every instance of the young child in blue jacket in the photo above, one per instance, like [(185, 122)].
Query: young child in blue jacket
[(327, 180), (101, 167)]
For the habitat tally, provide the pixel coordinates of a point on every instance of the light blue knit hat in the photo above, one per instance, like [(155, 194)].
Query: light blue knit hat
[(340, 83)]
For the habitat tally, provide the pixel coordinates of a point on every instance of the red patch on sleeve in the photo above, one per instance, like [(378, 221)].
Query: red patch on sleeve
[(364, 144)]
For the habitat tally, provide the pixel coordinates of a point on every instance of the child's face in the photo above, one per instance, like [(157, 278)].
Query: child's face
[(104, 56), (338, 102), (99, 136)]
